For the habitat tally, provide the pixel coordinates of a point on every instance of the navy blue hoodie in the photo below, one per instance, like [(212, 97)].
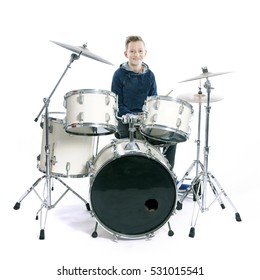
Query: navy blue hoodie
[(132, 89)]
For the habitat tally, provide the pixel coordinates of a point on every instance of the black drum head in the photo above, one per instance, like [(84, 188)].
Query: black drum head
[(133, 195)]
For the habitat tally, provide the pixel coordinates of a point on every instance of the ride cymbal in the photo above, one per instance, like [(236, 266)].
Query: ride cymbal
[(204, 75), (199, 97), (82, 50)]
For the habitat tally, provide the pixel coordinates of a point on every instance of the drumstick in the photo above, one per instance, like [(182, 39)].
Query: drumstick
[(169, 93)]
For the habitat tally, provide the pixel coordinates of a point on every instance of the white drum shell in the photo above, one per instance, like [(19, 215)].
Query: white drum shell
[(70, 155), (90, 112), (167, 119), (117, 149)]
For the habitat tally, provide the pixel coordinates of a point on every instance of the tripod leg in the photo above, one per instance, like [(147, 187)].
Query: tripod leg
[(216, 194), (194, 221), (43, 222), (70, 189), (32, 188), (237, 215), (170, 232), (95, 234), (180, 201)]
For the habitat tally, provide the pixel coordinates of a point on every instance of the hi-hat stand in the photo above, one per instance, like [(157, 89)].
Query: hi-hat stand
[(199, 184), (196, 163), (46, 199)]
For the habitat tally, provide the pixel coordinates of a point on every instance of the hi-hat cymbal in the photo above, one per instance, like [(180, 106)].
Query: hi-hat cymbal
[(205, 75), (199, 97), (84, 51)]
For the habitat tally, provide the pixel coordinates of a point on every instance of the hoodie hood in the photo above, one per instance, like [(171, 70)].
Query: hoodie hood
[(127, 68)]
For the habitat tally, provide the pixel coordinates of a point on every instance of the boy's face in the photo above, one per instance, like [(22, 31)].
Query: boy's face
[(135, 53)]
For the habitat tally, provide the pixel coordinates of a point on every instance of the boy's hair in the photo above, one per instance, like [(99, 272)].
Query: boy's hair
[(132, 38)]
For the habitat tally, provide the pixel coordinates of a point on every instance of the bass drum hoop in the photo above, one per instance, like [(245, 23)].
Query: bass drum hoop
[(132, 192)]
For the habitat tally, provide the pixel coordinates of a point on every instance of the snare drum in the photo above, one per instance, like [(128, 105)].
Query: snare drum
[(167, 119), (90, 112), (70, 155), (132, 191)]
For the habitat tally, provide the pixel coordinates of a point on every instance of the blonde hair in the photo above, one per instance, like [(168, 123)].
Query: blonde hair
[(133, 38)]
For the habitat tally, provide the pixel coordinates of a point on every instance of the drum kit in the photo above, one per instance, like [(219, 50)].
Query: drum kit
[(132, 190)]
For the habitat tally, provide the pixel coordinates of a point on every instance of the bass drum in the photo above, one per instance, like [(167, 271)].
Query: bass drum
[(132, 190)]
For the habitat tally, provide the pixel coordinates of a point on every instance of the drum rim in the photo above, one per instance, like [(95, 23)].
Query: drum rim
[(108, 161), (56, 174), (111, 128), (165, 128), (89, 91), (129, 152), (58, 120), (141, 235), (170, 98)]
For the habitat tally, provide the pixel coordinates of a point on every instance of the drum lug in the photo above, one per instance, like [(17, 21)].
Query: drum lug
[(115, 150), (154, 118), (68, 168), (157, 104), (178, 123), (107, 100), (115, 238), (51, 128), (81, 98), (90, 168), (181, 109), (81, 116), (149, 235), (148, 151), (65, 103), (107, 117)]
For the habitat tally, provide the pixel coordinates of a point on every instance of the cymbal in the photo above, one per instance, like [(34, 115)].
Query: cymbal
[(82, 50), (199, 97), (205, 75)]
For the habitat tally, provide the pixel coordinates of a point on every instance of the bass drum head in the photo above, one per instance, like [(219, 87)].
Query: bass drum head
[(133, 195)]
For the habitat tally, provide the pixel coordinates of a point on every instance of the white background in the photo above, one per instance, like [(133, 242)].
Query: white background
[(181, 37)]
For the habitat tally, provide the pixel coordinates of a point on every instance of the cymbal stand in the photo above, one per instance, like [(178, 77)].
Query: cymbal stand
[(48, 186), (200, 182), (196, 163)]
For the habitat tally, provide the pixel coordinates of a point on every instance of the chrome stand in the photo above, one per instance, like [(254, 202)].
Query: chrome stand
[(196, 163), (48, 185), (199, 184)]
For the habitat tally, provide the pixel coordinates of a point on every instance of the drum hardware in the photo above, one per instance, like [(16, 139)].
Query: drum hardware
[(132, 192), (48, 186), (196, 163), (132, 120), (203, 178)]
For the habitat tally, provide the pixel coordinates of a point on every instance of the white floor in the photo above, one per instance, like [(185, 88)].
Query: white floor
[(221, 245)]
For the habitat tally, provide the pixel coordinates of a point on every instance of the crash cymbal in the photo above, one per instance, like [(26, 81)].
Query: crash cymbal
[(205, 75), (84, 51), (198, 97)]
